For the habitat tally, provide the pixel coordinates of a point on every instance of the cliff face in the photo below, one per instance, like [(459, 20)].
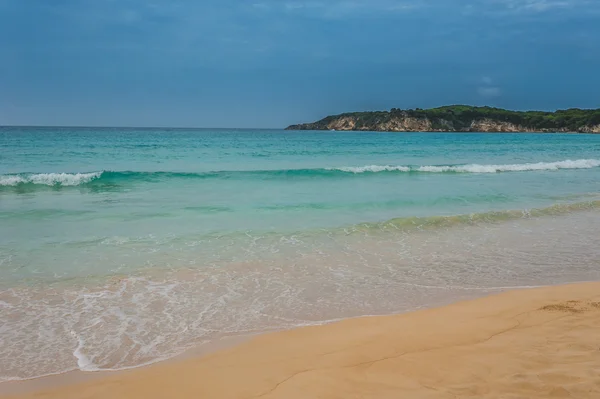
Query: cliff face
[(488, 125), (460, 119), (407, 124), (410, 124), (591, 129)]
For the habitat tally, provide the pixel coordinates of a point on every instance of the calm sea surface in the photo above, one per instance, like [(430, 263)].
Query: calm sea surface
[(122, 247)]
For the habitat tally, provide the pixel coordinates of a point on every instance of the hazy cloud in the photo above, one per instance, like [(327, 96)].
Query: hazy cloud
[(543, 5), (489, 91), (487, 88), (337, 8), (204, 62)]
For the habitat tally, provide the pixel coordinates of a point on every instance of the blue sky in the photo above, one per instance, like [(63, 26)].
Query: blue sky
[(270, 63)]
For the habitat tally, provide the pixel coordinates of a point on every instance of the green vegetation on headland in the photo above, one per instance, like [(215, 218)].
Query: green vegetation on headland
[(461, 118)]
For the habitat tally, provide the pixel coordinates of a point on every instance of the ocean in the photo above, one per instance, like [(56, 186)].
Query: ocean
[(123, 247)]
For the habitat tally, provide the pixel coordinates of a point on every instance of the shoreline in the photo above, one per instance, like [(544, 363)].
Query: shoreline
[(68, 378), (330, 353), (75, 376)]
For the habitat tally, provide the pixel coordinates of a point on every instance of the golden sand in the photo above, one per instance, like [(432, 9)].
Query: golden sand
[(540, 343)]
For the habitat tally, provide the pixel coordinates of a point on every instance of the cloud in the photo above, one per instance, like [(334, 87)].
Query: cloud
[(489, 92), (537, 6), (487, 88), (291, 56), (336, 8), (513, 10)]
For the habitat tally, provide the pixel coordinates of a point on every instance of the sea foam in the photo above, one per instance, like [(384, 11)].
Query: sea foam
[(84, 363), (475, 168), (77, 179), (373, 169), (49, 179)]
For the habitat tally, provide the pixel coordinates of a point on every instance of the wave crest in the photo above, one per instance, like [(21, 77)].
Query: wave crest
[(50, 179), (110, 180), (476, 168), (372, 169)]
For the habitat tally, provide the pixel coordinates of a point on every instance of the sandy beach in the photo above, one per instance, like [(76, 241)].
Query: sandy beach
[(538, 343)]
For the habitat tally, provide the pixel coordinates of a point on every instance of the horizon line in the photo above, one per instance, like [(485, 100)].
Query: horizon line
[(141, 127)]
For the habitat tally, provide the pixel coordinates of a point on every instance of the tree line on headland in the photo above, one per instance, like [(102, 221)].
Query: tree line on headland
[(462, 118)]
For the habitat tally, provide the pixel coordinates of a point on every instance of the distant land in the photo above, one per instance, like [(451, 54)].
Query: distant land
[(461, 118)]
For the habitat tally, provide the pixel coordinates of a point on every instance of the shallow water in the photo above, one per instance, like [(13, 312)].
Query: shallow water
[(120, 247)]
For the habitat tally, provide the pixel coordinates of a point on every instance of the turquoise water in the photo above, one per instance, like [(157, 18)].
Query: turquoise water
[(121, 247)]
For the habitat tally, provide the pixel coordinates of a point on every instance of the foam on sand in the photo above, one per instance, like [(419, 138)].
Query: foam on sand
[(488, 347)]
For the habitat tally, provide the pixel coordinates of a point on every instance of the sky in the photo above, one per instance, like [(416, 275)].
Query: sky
[(271, 63)]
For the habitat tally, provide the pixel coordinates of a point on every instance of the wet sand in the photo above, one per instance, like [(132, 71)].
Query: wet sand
[(538, 343)]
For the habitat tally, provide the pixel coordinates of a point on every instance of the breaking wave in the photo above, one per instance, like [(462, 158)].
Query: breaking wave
[(108, 179), (49, 179), (476, 168)]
